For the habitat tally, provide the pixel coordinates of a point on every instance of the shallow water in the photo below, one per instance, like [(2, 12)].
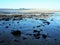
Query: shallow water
[(33, 31)]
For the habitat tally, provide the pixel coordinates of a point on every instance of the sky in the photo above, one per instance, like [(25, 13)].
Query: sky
[(38, 4)]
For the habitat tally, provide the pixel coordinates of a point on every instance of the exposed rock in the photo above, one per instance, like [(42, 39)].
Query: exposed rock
[(44, 36), (7, 27), (16, 33), (7, 19), (9, 24), (36, 31), (38, 26), (16, 40), (24, 38), (52, 20), (17, 22), (37, 36), (42, 19), (2, 41), (46, 23)]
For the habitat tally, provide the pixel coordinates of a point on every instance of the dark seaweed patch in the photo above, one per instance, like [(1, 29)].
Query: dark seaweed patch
[(52, 20), (44, 36), (29, 34), (16, 33), (43, 20), (36, 31), (7, 19), (2, 41), (9, 24), (38, 26), (3, 23), (17, 22), (37, 36), (24, 38), (16, 40), (7, 27), (46, 23)]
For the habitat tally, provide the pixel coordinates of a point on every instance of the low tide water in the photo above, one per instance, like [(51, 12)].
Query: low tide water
[(30, 31)]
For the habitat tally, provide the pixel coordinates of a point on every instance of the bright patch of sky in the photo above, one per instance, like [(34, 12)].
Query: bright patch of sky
[(39, 4)]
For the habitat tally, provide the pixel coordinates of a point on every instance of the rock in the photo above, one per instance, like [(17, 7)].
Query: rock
[(24, 38), (44, 36), (52, 20), (37, 36), (46, 23), (7, 27), (7, 19), (17, 22), (43, 20), (16, 33), (2, 41), (38, 26), (9, 24), (16, 40), (34, 31)]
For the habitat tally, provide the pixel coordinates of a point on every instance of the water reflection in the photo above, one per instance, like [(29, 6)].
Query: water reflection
[(34, 30)]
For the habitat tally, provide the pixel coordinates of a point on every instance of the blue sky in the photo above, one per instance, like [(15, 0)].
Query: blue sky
[(39, 4)]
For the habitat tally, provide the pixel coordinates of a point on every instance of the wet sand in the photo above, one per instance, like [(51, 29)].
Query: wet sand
[(30, 30)]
